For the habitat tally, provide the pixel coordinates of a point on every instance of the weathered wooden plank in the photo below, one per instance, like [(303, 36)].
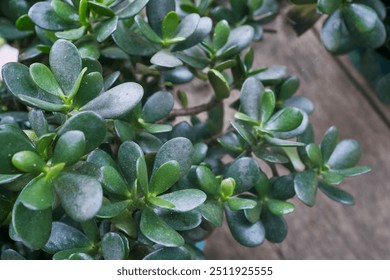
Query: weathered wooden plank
[(328, 230)]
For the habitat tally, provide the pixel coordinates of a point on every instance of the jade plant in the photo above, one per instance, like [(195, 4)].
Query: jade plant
[(96, 159)]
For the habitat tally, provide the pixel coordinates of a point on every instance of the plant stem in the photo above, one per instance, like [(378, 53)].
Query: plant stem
[(194, 110)]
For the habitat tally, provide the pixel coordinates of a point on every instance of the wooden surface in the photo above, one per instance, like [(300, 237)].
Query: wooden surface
[(342, 98)]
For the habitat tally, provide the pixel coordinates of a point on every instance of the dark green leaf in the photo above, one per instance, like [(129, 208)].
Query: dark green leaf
[(219, 84), (244, 133), (207, 180), (12, 140), (101, 9), (66, 254), (44, 105), (237, 203), (382, 89), (245, 172), (250, 97), (124, 130), (65, 11), (354, 171), (329, 142), (158, 231), (253, 215), (90, 87), (314, 153), (328, 6), (303, 17), (181, 221), (332, 178), (282, 143), (359, 18), (81, 196), (156, 11), (179, 149), (64, 237), (246, 233), (43, 15), (337, 194), (44, 78), (38, 122), (240, 38), (38, 194), (185, 200), (69, 148), (275, 227), (165, 59), (32, 227), (104, 29), (89, 123), (142, 175), (267, 106), (65, 63), (80, 257), (157, 128), (128, 154), (202, 30), (117, 101), (305, 184), (283, 188), (113, 247), (279, 208), (164, 177), (286, 119), (212, 211), (345, 155), (178, 253), (147, 31), (245, 118), (157, 106), (112, 209), (133, 9), (71, 34), (10, 254), (188, 26), (113, 181)]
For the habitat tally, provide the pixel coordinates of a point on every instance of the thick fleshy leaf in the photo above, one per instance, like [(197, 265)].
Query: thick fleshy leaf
[(10, 254), (354, 171), (178, 253), (219, 84), (156, 11), (81, 196), (113, 247), (250, 97), (335, 35), (159, 202), (32, 227), (28, 162), (69, 148), (275, 227), (101, 9), (38, 122), (203, 29), (44, 78), (170, 24), (240, 38), (286, 119), (253, 214), (43, 15), (65, 63), (157, 106), (282, 143), (283, 188), (80, 257), (305, 184), (332, 178), (12, 140), (90, 87), (128, 154), (164, 177), (166, 59), (337, 194), (185, 200), (289, 87), (179, 149), (65, 11), (207, 180), (279, 208), (104, 29), (188, 25), (329, 142), (245, 172), (157, 128), (181, 221), (221, 34), (89, 123), (142, 175), (44, 105), (100, 158), (246, 233), (237, 203), (345, 155), (200, 153), (124, 130), (67, 254), (147, 31), (267, 105), (328, 6), (359, 18), (71, 34), (133, 9), (65, 237), (117, 101), (113, 181), (158, 231), (38, 194), (300, 102), (132, 42), (314, 153), (112, 209), (212, 211)]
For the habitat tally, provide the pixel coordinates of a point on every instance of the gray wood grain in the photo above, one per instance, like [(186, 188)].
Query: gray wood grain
[(328, 230)]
